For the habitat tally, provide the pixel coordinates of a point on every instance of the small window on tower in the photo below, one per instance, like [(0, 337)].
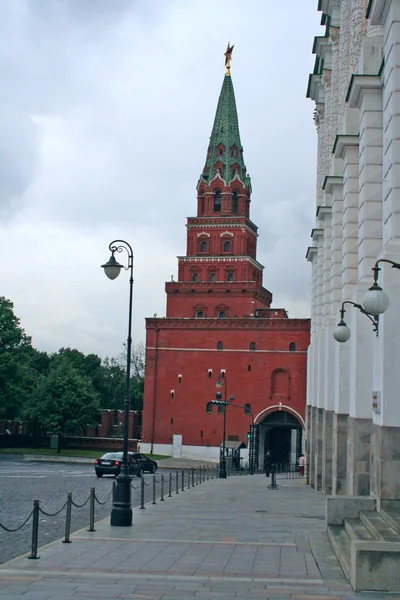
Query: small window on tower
[(227, 246), (212, 276), (220, 346), (195, 277), (209, 407), (292, 347), (199, 314), (221, 314), (203, 247), (234, 202), (221, 152), (217, 201), (230, 276), (252, 346)]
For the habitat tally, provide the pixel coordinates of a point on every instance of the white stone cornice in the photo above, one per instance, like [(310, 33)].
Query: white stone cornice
[(330, 182), (315, 89), (311, 253), (360, 84), (377, 11), (322, 47), (332, 9), (323, 211), (342, 142), (316, 234)]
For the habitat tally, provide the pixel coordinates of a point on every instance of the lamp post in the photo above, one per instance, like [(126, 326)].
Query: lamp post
[(224, 403), (222, 381), (121, 512)]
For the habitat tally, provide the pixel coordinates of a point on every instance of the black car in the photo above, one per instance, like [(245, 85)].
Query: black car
[(147, 463), (110, 464)]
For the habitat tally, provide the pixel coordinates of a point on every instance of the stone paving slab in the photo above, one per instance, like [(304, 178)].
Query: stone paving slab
[(229, 538)]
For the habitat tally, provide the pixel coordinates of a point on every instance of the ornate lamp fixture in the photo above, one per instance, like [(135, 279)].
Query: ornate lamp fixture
[(376, 300), (342, 333)]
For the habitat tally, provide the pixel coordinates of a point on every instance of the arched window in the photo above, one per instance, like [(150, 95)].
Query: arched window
[(220, 346), (234, 202), (195, 277), (209, 407), (230, 276), (221, 408), (280, 384), (227, 246), (212, 276), (292, 347), (203, 247), (247, 409), (221, 314), (252, 345), (199, 314), (217, 201)]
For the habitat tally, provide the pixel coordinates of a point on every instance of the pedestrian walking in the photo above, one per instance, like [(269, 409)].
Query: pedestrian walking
[(302, 462), (267, 463)]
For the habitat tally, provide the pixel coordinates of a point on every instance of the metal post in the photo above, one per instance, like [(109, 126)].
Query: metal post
[(154, 491), (91, 509), (188, 476), (113, 490), (170, 485), (162, 488), (192, 477), (200, 474), (121, 512), (35, 530), (68, 519), (183, 480), (142, 506), (177, 482)]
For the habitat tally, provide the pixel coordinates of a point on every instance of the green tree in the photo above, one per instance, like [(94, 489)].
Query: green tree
[(15, 355), (64, 401), (138, 355)]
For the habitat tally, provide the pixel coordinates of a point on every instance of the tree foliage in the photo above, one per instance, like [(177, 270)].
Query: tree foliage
[(15, 356), (64, 401), (65, 391)]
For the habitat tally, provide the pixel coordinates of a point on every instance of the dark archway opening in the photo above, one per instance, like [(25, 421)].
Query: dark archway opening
[(283, 437)]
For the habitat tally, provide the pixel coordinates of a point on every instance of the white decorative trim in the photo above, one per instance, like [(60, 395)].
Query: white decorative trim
[(281, 406), (202, 233), (226, 233)]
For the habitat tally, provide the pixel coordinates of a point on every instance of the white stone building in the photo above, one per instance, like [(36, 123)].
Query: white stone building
[(353, 397)]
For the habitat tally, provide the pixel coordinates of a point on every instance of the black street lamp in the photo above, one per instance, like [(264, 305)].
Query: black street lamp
[(222, 381), (121, 512)]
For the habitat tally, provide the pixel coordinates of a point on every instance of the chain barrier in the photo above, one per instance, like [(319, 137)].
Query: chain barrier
[(52, 514), (11, 530), (81, 505), (108, 497), (194, 477)]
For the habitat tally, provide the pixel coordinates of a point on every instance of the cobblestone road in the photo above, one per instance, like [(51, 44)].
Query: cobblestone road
[(23, 482)]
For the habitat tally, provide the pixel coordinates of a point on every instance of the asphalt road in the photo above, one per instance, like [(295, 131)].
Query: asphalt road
[(23, 482)]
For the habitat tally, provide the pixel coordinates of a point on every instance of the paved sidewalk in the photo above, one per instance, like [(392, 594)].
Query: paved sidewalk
[(221, 539)]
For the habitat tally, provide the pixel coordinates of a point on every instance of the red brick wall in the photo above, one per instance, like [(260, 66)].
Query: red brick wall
[(188, 347)]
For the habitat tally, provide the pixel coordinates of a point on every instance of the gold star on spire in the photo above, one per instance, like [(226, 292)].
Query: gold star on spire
[(228, 58)]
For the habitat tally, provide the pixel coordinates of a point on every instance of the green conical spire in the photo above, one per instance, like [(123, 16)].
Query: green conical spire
[(225, 137)]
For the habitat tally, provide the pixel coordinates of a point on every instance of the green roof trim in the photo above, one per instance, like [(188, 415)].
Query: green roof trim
[(225, 132)]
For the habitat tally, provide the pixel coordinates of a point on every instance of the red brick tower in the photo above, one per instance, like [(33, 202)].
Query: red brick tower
[(219, 318)]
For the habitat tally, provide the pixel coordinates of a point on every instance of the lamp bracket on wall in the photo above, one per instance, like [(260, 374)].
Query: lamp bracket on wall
[(342, 332)]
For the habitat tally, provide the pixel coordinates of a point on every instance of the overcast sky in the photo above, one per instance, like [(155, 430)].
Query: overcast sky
[(106, 110)]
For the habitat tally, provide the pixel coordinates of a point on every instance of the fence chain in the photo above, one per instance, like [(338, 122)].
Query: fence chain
[(81, 505), (106, 500), (11, 530), (52, 514)]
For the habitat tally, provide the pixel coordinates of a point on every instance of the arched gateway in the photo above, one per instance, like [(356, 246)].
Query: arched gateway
[(280, 430)]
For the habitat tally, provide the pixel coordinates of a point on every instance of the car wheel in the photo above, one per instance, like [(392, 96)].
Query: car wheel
[(153, 468), (99, 474), (140, 472)]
